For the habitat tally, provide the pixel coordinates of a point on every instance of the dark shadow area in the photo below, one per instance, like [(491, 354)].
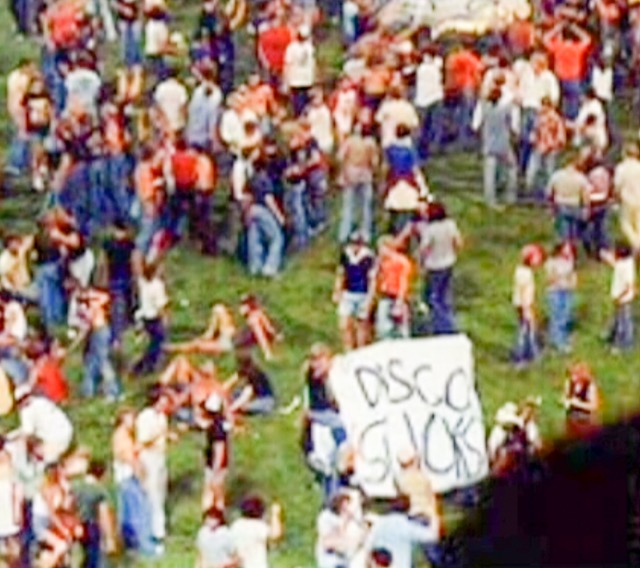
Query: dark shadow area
[(579, 506)]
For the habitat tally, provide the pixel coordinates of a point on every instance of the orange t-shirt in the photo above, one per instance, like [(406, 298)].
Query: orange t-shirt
[(273, 44), (569, 58), (463, 71), (394, 273), (521, 34), (185, 169)]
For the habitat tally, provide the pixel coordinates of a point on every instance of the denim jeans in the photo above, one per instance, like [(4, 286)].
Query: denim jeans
[(438, 296), (51, 297), (134, 516), (119, 193), (151, 358), (544, 164), (432, 129), (265, 240), (463, 115), (76, 196), (121, 308), (131, 42), (387, 326), (91, 545), (357, 197), (299, 99), (297, 211), (621, 335), (526, 348), (527, 122), (568, 221), (316, 202), (262, 405), (98, 365), (100, 211), (560, 308), (571, 94), (494, 168), (595, 234), (18, 160), (148, 225)]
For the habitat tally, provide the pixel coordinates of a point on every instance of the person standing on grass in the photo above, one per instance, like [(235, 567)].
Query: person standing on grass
[(548, 139), (595, 234), (252, 534), (353, 291), (527, 347), (562, 280), (440, 242), (498, 121), (94, 304), (216, 452), (152, 436), (153, 302), (393, 276), (623, 292), (568, 191), (626, 186)]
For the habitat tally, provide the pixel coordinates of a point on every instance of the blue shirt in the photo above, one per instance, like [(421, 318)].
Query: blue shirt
[(396, 533), (202, 116), (401, 159)]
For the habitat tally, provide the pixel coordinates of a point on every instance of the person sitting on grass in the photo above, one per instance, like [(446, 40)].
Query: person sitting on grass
[(217, 338)]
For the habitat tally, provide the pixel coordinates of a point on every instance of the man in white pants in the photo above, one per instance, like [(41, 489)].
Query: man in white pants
[(152, 432)]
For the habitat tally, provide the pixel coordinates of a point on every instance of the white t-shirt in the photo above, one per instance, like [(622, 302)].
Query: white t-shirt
[(623, 283), (15, 321), (321, 126), (41, 418), (300, 64), (172, 97), (151, 429), (328, 524), (391, 114), (10, 495), (602, 83), (83, 85), (152, 295), (156, 37), (251, 537), (429, 82), (524, 287)]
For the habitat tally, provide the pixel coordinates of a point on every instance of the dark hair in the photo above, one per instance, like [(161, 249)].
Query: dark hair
[(337, 501), (97, 468), (382, 557), (623, 250), (402, 131), (252, 507), (215, 513), (400, 504), (436, 211)]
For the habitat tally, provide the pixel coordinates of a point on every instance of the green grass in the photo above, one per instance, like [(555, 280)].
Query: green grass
[(267, 458)]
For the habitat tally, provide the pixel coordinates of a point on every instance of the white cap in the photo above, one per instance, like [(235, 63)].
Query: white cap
[(304, 30), (508, 415), (406, 455), (213, 403)]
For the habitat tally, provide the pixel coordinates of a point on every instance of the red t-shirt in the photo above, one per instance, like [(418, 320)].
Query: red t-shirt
[(569, 58), (185, 169), (272, 44), (464, 71), (51, 381)]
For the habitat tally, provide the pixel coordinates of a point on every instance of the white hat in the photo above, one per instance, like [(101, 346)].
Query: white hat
[(21, 392), (213, 403), (406, 455), (508, 415)]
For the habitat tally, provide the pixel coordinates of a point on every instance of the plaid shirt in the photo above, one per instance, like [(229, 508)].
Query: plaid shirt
[(549, 133)]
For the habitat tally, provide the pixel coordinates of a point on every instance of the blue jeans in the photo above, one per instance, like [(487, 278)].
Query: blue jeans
[(121, 308), (100, 211), (148, 225), (131, 42), (134, 516), (264, 232), (298, 214), (151, 359), (388, 326), (496, 167), (432, 129), (51, 297), (119, 193), (595, 234), (18, 159), (98, 365), (316, 201), (463, 115), (91, 541), (560, 308), (621, 335), (299, 99), (571, 94), (357, 197), (527, 348), (568, 220), (528, 119), (544, 164), (438, 296), (76, 196)]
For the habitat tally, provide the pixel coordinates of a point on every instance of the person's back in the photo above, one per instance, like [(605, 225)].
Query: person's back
[(569, 186), (397, 534), (496, 128), (251, 537)]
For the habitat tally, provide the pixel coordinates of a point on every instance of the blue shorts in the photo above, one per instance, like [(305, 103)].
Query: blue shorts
[(353, 305)]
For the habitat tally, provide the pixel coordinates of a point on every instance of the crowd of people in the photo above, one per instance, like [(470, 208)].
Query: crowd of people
[(191, 144)]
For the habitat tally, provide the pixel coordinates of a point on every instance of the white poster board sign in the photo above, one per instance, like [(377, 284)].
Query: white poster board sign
[(412, 394)]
